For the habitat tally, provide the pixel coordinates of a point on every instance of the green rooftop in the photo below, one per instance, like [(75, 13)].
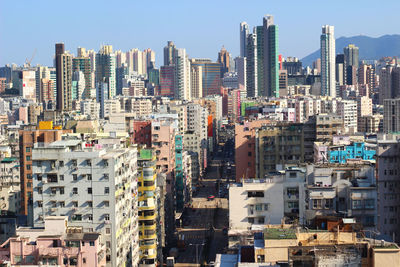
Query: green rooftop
[(145, 154), (278, 233)]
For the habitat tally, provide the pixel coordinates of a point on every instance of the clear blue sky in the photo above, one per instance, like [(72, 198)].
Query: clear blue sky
[(200, 26)]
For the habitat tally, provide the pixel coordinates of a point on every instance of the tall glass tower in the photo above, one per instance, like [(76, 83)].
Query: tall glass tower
[(328, 76)]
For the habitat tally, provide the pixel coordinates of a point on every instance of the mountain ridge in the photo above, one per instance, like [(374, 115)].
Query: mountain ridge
[(369, 47)]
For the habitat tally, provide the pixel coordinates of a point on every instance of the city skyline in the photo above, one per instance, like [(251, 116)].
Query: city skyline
[(144, 30)]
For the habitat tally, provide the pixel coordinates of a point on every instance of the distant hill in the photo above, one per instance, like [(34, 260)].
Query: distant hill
[(370, 47)]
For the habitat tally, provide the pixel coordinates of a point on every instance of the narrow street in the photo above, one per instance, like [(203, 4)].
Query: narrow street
[(203, 230)]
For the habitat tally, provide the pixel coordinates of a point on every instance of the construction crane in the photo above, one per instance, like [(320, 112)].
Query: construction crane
[(28, 62)]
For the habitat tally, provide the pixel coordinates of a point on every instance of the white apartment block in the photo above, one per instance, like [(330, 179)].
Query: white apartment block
[(255, 202), (111, 106), (95, 187), (90, 108), (348, 110)]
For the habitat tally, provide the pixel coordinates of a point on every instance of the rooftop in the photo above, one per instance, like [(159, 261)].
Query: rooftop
[(278, 233)]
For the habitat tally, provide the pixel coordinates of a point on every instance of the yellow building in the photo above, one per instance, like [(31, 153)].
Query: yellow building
[(147, 208)]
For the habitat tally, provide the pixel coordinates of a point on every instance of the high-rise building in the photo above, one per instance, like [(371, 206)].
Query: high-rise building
[(270, 53), (340, 69), (96, 188), (388, 170), (83, 64), (211, 76), (169, 53), (147, 207), (244, 32), (240, 65), (251, 66), (182, 74), (64, 78), (224, 60), (389, 83), (367, 75), (293, 66), (328, 53), (351, 60), (105, 70), (196, 81), (391, 115), (27, 140), (167, 81), (78, 85)]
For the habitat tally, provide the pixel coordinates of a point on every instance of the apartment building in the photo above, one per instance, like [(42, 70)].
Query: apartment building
[(56, 244), (10, 190), (391, 115), (95, 187), (342, 190), (27, 138), (348, 110), (388, 172), (245, 148), (326, 126), (282, 144), (148, 227)]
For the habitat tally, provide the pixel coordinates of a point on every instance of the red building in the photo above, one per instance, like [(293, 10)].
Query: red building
[(167, 81), (141, 132)]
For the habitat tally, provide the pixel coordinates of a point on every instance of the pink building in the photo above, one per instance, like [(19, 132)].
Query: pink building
[(56, 244), (245, 153)]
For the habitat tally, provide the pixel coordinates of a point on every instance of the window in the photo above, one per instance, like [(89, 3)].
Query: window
[(28, 158), (106, 203), (61, 177), (259, 207), (29, 185), (74, 177), (75, 204), (328, 203), (250, 220), (61, 163), (84, 260), (106, 217), (357, 204), (90, 217), (91, 243), (74, 163), (75, 190), (317, 203), (28, 149), (61, 190), (108, 243), (28, 166), (261, 220), (89, 190), (77, 217), (249, 154), (255, 194), (62, 204), (73, 261), (40, 190), (39, 204), (89, 177), (266, 207), (39, 163), (293, 205), (369, 203), (106, 190), (90, 204), (108, 231), (89, 162), (39, 177)]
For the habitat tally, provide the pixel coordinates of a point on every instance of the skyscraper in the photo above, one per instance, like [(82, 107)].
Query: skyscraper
[(251, 65), (169, 53), (64, 78), (224, 60), (340, 69), (270, 53), (351, 60), (211, 76), (244, 32), (328, 83), (83, 64), (105, 70), (182, 74)]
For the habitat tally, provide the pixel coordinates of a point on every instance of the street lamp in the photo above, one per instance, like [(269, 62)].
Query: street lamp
[(197, 257)]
